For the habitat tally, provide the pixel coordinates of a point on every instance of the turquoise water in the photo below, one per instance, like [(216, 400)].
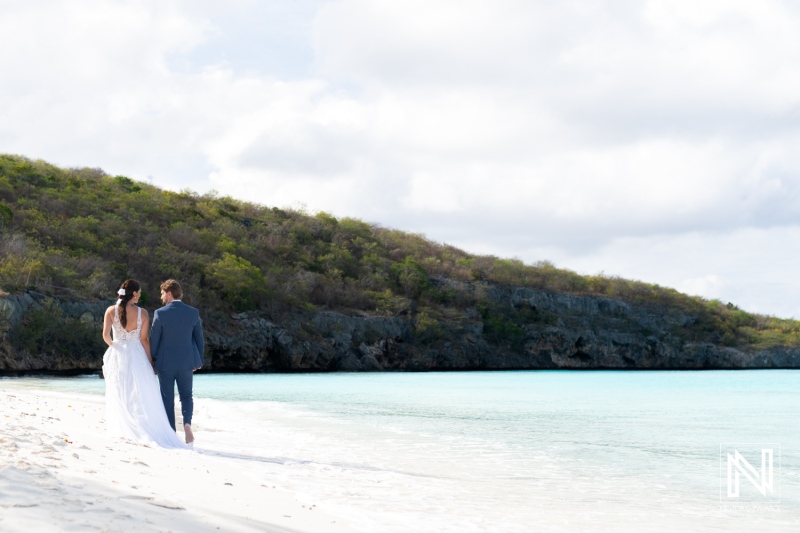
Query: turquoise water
[(509, 451)]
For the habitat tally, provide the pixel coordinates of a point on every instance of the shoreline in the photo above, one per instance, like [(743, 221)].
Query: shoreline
[(59, 470), (99, 374)]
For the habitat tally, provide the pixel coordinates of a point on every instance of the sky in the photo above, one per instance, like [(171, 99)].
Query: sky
[(653, 140)]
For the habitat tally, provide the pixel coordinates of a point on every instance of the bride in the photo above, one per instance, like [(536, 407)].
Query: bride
[(134, 409)]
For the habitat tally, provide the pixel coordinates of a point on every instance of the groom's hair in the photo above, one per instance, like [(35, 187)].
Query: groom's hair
[(172, 287)]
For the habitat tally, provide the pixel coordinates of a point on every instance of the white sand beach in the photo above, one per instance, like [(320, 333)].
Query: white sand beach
[(60, 472)]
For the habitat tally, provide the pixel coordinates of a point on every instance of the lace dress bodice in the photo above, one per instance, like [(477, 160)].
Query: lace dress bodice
[(119, 332)]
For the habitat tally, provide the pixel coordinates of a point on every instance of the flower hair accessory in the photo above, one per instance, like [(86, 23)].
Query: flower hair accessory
[(121, 292)]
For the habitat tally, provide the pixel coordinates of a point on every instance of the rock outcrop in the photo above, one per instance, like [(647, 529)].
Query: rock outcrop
[(562, 331), (72, 318)]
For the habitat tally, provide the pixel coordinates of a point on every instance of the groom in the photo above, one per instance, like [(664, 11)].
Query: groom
[(176, 342)]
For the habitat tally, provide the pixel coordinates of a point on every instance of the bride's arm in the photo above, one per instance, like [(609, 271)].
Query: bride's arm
[(144, 336), (107, 319)]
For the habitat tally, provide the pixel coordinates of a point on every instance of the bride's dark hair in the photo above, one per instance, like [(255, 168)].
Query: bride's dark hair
[(130, 287)]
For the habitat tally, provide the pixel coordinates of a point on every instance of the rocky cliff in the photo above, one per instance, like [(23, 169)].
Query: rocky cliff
[(42, 334), (558, 331)]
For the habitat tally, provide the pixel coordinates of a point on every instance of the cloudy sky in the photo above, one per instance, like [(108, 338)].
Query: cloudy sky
[(656, 140)]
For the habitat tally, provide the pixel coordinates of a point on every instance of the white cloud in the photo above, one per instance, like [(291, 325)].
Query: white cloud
[(89, 83), (530, 129), (710, 286)]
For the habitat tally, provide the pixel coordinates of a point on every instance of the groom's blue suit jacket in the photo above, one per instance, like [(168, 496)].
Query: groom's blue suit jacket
[(176, 338)]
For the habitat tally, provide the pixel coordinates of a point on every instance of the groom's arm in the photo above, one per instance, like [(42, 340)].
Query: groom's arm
[(155, 336), (199, 342)]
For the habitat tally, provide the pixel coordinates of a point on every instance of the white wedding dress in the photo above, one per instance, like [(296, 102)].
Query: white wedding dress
[(134, 410)]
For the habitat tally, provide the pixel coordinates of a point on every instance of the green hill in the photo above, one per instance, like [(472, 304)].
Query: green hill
[(80, 232)]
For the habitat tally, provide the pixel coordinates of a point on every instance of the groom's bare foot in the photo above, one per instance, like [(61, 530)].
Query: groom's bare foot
[(187, 429)]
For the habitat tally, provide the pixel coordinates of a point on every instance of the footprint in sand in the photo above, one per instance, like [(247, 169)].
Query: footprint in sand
[(168, 506), (45, 449)]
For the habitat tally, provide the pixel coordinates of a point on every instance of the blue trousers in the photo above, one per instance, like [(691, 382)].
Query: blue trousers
[(167, 380)]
